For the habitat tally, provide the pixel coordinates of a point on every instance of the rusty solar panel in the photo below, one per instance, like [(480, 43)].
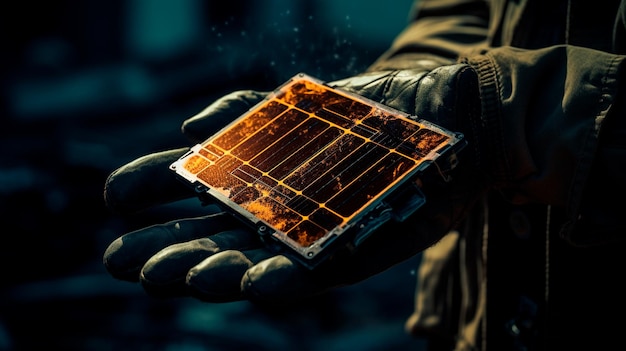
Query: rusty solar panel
[(310, 162)]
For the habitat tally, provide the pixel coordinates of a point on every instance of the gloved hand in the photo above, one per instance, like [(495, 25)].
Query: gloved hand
[(215, 258)]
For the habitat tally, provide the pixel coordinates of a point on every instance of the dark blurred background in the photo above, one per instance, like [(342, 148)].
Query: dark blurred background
[(90, 85)]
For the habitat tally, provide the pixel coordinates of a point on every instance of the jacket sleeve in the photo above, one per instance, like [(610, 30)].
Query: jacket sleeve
[(552, 129), (544, 131), (437, 33)]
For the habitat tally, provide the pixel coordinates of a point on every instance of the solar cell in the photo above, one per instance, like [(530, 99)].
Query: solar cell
[(311, 165)]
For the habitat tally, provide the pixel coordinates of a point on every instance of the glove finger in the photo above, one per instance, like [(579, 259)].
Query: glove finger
[(219, 114), (280, 280), (218, 278), (257, 275), (145, 182), (165, 273), (126, 255)]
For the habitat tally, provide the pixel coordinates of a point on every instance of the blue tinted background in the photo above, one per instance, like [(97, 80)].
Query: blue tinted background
[(90, 85)]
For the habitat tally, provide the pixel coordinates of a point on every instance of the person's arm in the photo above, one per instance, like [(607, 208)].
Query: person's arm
[(437, 33)]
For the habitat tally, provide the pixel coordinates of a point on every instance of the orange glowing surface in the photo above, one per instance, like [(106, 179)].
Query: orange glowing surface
[(310, 158)]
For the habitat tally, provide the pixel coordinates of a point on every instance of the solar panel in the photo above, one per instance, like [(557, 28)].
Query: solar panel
[(313, 168)]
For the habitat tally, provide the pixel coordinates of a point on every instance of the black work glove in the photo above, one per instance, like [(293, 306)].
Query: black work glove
[(215, 258)]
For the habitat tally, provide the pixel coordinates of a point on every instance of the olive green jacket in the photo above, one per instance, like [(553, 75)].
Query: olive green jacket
[(549, 80), (552, 94)]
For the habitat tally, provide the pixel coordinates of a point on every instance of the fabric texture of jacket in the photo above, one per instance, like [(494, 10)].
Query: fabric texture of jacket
[(537, 266)]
